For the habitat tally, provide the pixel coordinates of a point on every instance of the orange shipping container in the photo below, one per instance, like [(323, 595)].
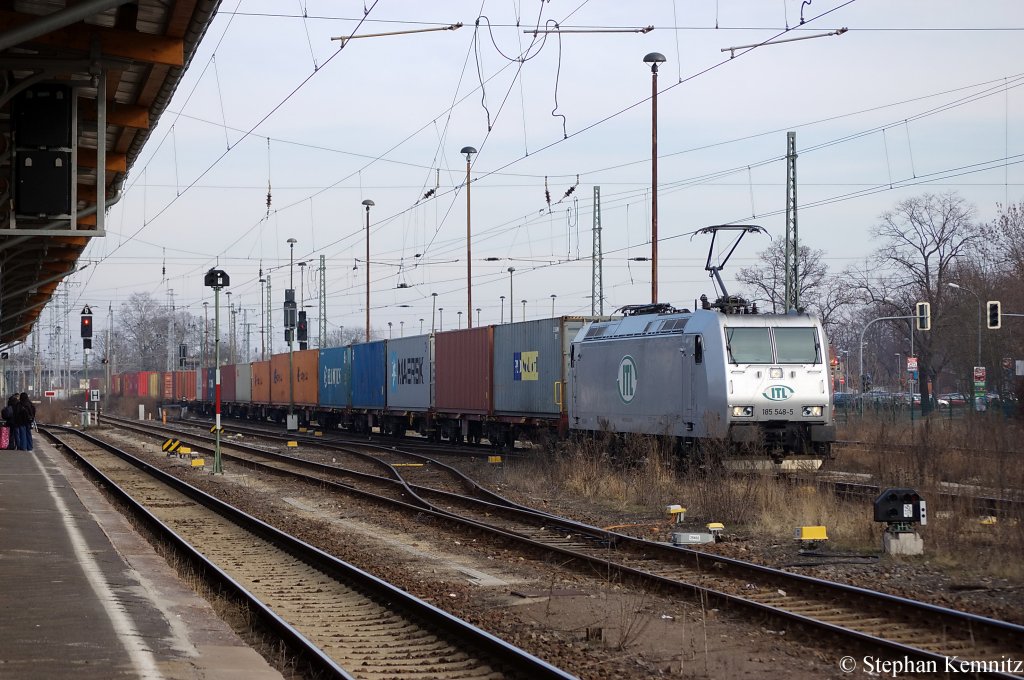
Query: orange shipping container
[(167, 387), (261, 382), (306, 383)]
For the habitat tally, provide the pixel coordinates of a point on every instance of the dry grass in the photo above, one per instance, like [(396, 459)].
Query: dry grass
[(640, 478)]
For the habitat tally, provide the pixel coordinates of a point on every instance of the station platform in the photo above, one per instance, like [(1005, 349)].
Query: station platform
[(83, 595)]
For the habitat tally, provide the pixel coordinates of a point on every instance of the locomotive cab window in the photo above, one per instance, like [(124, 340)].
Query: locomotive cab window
[(797, 346), (749, 345), (698, 349)]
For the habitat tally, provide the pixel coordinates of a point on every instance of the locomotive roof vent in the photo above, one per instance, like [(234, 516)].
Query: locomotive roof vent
[(650, 308)]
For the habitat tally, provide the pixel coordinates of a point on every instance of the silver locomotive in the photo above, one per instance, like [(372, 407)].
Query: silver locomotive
[(743, 379)]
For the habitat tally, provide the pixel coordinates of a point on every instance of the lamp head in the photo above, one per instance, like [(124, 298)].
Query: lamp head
[(654, 58), (467, 151), (511, 269)]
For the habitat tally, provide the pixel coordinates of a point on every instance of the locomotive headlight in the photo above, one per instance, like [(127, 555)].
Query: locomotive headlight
[(742, 411), (812, 411), (775, 373)]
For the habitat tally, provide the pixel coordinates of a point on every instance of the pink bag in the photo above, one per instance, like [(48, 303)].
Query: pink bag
[(5, 437)]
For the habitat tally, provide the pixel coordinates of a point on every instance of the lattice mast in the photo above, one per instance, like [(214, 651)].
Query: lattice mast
[(322, 339), (597, 284), (792, 263)]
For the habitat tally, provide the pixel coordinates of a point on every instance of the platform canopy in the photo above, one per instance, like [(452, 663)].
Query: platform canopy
[(83, 86)]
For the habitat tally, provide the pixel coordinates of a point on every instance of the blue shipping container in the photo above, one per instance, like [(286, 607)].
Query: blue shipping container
[(369, 374), (336, 377)]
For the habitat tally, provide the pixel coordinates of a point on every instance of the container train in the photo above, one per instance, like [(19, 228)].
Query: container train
[(742, 378)]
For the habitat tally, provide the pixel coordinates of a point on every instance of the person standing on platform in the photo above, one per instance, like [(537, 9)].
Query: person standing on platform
[(30, 418)]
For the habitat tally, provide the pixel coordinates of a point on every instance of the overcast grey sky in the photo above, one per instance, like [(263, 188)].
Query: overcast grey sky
[(918, 96)]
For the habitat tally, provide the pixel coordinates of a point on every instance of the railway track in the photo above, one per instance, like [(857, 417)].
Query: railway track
[(898, 626), (844, 485), (346, 622)]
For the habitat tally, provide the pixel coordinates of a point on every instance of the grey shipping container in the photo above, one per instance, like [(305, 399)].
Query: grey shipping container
[(462, 371), (243, 383), (531, 365), (411, 373)]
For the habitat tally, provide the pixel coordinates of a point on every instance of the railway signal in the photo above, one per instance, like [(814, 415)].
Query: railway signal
[(217, 279), (86, 327), (995, 314), (901, 509), (302, 330)]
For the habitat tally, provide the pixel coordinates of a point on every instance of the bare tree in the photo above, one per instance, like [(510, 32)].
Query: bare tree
[(924, 241), (820, 293)]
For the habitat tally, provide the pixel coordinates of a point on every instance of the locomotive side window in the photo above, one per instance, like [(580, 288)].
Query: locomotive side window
[(797, 345), (698, 349), (749, 345)]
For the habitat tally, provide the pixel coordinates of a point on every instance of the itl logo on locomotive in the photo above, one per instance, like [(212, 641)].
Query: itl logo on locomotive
[(778, 393), (627, 379)]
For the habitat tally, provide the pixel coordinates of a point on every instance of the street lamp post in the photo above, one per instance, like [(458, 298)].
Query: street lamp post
[(861, 344), (469, 324), (524, 309), (441, 311), (510, 296), (654, 58), (477, 316), (553, 296), (421, 326), (503, 306), (468, 151), (433, 313), (978, 298), (368, 203), (216, 279)]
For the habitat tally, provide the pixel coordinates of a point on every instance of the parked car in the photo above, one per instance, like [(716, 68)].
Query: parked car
[(844, 399), (954, 398)]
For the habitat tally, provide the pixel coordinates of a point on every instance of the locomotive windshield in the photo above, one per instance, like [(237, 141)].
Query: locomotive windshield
[(754, 345), (797, 345), (749, 345)]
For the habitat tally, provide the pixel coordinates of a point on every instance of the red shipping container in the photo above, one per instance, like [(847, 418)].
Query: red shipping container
[(115, 385), (184, 385), (462, 371), (306, 384), (167, 385), (261, 382), (227, 383)]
